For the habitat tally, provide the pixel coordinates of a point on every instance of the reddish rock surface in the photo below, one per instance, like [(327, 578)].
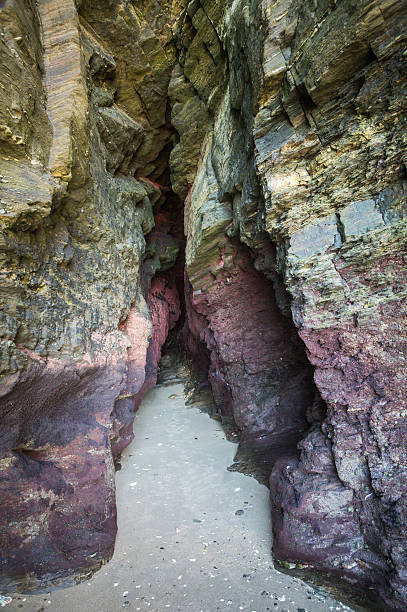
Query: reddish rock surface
[(357, 458), (306, 156), (258, 369), (291, 124), (58, 512), (342, 506), (164, 308), (83, 162)]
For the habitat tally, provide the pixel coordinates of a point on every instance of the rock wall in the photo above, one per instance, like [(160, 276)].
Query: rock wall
[(281, 124), (303, 162), (83, 155)]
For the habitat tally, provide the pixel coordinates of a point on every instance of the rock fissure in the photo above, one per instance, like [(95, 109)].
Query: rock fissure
[(227, 178)]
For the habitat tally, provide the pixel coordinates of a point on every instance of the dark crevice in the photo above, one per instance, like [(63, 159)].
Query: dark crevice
[(371, 55), (272, 385), (306, 101), (30, 453)]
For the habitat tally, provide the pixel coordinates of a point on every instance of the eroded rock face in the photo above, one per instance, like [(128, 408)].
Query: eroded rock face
[(83, 155), (258, 369), (303, 160), (289, 150)]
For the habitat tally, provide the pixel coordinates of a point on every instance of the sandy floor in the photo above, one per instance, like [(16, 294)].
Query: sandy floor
[(192, 536)]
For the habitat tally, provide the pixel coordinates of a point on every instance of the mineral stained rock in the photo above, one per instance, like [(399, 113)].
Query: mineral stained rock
[(303, 160), (83, 154), (282, 127)]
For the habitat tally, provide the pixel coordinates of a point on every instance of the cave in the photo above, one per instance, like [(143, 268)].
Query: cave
[(209, 194)]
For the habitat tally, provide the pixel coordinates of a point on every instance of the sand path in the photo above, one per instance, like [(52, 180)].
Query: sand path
[(192, 536)]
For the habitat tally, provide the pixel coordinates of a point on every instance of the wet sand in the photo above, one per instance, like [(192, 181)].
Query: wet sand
[(192, 535)]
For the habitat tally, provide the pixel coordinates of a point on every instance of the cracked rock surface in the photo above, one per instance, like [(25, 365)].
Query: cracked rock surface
[(281, 127)]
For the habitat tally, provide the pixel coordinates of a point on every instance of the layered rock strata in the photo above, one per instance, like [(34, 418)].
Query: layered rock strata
[(303, 160), (289, 151), (83, 156)]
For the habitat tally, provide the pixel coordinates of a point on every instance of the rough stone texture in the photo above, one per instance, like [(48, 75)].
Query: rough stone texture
[(143, 358), (81, 148), (290, 152), (258, 370), (304, 161), (333, 178)]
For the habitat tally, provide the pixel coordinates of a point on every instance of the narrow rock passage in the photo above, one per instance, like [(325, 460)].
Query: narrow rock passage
[(192, 536)]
